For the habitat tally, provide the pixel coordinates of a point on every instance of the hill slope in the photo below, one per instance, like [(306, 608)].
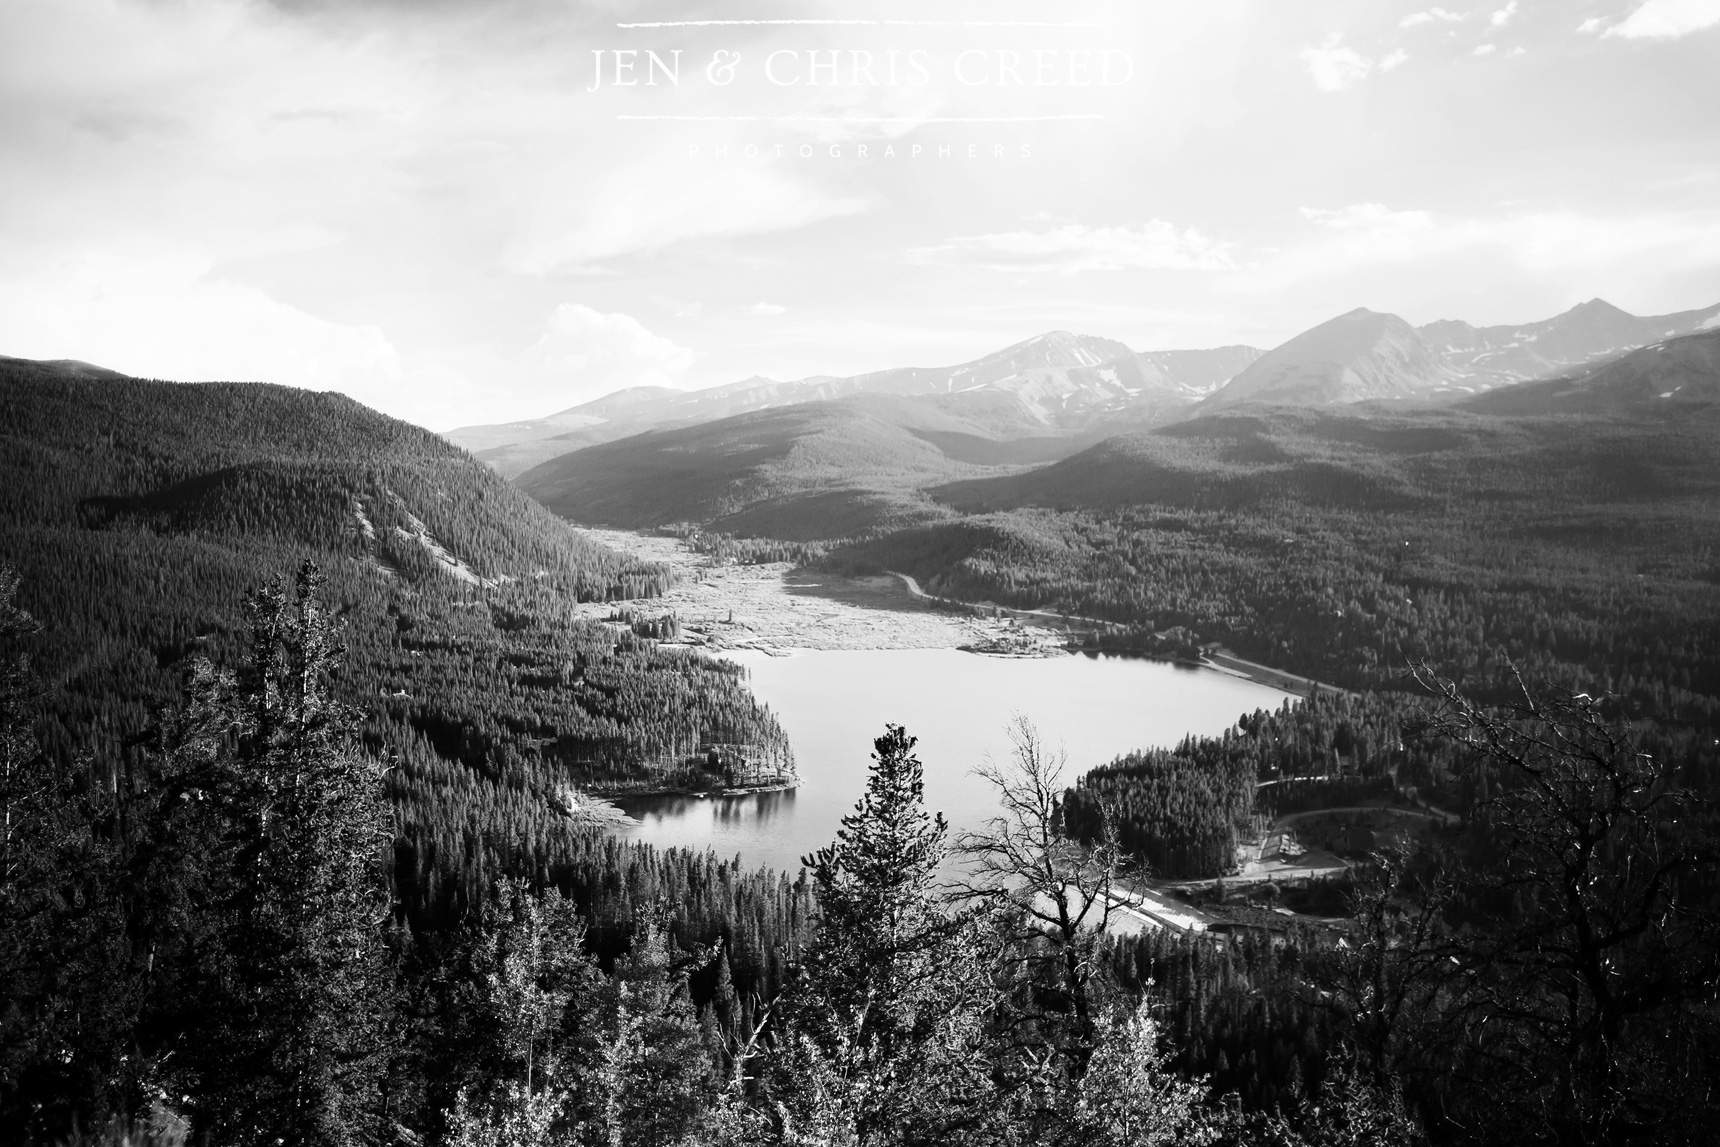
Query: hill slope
[(233, 463), (139, 513)]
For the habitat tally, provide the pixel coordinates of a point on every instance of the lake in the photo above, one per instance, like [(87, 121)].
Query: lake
[(834, 703)]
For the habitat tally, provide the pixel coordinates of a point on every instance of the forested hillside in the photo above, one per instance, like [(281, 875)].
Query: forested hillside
[(138, 515), (1343, 547)]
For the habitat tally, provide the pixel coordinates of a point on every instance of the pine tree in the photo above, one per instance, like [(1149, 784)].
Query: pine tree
[(530, 987), (1129, 1096), (32, 826), (885, 1036), (875, 887), (653, 1072), (283, 1043), (68, 1003)]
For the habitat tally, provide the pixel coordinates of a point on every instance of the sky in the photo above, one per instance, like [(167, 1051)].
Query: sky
[(473, 212)]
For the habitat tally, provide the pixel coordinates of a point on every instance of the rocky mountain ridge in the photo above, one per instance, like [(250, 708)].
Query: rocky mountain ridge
[(1368, 356)]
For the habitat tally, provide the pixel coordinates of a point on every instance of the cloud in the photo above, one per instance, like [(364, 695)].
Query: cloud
[(1486, 49), (1377, 222), (679, 308), (1075, 247), (650, 206), (1387, 63), (168, 316), (585, 353), (1667, 19), (1591, 25), (767, 309), (1430, 16), (1538, 242), (1503, 16), (1335, 67)]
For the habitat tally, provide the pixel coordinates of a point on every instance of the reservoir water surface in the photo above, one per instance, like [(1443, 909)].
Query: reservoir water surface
[(834, 703)]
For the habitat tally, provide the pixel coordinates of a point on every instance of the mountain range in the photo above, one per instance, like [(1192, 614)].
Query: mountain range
[(1064, 385), (1057, 384), (858, 465), (1676, 377), (1365, 355)]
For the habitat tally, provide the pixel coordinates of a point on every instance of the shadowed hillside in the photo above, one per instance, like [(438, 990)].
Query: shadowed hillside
[(818, 470)]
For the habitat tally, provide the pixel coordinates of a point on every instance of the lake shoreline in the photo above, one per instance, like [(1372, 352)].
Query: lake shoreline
[(780, 609), (960, 708), (696, 794), (1223, 661), (1219, 659)]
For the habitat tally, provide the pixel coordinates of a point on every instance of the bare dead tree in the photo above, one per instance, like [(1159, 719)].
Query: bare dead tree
[(1053, 896), (1595, 905), (1387, 979)]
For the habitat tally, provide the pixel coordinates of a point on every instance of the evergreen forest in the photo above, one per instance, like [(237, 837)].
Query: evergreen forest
[(301, 742)]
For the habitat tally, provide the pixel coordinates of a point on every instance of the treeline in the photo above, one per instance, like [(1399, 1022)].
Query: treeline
[(1178, 810), (213, 905), (658, 627), (730, 550), (203, 928)]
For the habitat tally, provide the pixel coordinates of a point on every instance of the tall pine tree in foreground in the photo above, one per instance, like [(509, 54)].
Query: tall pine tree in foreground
[(886, 1033), (281, 1040)]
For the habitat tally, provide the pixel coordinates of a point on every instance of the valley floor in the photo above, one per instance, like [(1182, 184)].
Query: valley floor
[(776, 607)]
